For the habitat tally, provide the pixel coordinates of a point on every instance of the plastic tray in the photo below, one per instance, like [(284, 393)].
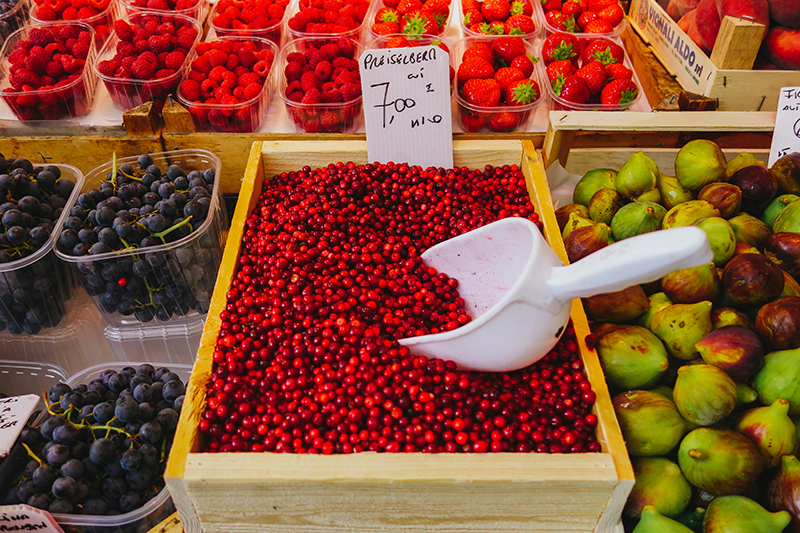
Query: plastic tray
[(18, 378), (69, 101), (102, 22), (128, 93), (13, 19), (616, 32), (174, 343), (244, 117), (538, 19), (197, 11), (356, 33), (207, 240), (376, 5), (273, 33)]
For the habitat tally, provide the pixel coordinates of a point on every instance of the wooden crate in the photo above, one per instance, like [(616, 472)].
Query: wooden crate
[(372, 492)]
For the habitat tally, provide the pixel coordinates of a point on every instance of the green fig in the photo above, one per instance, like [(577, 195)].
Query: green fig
[(750, 230), (687, 213), (719, 461), (772, 430), (660, 483), (672, 192), (692, 285), (745, 394), (587, 239), (658, 301), (637, 176), (704, 394), (604, 204), (631, 357), (790, 286), (664, 391), (563, 213), (788, 219), (699, 163), (618, 306), (744, 159), (775, 207), (737, 514), (575, 221), (591, 182), (734, 349), (787, 172), (681, 326), (650, 422), (692, 518), (720, 237), (779, 377), (728, 316), (636, 218), (653, 522), (724, 196)]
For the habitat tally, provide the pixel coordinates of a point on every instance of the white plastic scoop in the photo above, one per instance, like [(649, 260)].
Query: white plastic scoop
[(519, 294)]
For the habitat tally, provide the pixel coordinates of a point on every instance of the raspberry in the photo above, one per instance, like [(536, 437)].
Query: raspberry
[(165, 28), (125, 49), (238, 92), (309, 81), (314, 57), (262, 68), (294, 57), (219, 92), (216, 57), (252, 90), (330, 121), (232, 62), (330, 97), (323, 70), (69, 14), (350, 91), (55, 48), (201, 65), (240, 71), (174, 60), (142, 46), (22, 77), (54, 69), (208, 87), (293, 86), (190, 90), (349, 64), (85, 37), (149, 57), (162, 58), (17, 55), (223, 46), (36, 63), (72, 65), (330, 51), (202, 48), (329, 86), (43, 12), (128, 61), (196, 76), (311, 97), (142, 69), (163, 73), (40, 37), (186, 41), (296, 96), (217, 74), (123, 30), (85, 13), (229, 100), (108, 67), (246, 79), (293, 71), (158, 44), (150, 25), (347, 77), (346, 47), (67, 32), (80, 50), (123, 73)]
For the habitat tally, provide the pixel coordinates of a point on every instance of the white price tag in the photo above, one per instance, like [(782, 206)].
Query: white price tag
[(406, 94), (786, 138), (26, 518), (14, 412)]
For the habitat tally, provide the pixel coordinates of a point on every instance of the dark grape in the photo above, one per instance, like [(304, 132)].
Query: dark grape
[(102, 451)]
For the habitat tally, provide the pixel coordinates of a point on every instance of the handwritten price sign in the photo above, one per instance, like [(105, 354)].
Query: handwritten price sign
[(406, 93), (23, 517), (14, 412), (786, 138)]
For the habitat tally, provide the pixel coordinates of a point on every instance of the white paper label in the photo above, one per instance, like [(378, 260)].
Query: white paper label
[(14, 412), (786, 138), (26, 518), (406, 93)]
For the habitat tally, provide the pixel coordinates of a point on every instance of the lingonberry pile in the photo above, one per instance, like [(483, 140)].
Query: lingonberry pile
[(46, 73), (227, 79), (328, 16), (96, 13), (329, 277), (252, 17)]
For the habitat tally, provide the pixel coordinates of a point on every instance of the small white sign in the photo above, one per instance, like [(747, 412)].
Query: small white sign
[(406, 94), (14, 412), (786, 137), (23, 517)]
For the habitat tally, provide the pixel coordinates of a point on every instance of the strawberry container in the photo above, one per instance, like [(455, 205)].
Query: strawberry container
[(376, 6), (197, 10), (71, 100), (386, 41), (474, 118), (273, 32), (187, 266), (536, 15), (356, 33), (559, 103), (102, 22), (13, 19), (127, 93), (244, 117), (549, 28), (332, 117)]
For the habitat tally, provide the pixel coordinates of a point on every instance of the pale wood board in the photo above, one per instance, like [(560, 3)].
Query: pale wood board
[(388, 492), (750, 89), (737, 44)]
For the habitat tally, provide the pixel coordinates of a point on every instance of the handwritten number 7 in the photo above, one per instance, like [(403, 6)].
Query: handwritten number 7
[(385, 95)]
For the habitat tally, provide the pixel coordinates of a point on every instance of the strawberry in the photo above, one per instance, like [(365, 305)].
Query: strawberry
[(506, 76), (398, 42), (572, 89), (407, 6), (618, 71), (504, 121), (495, 9), (470, 5), (385, 28), (417, 23), (519, 25), (483, 93), (551, 5), (474, 69), (598, 26), (563, 68), (594, 74), (472, 123), (613, 14), (572, 8), (505, 49), (387, 14), (618, 92), (525, 64), (560, 21), (585, 18), (478, 51), (603, 50), (598, 5), (521, 7), (437, 7), (560, 46), (472, 17), (522, 92)]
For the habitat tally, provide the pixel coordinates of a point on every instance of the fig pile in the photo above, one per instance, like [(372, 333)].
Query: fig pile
[(704, 363)]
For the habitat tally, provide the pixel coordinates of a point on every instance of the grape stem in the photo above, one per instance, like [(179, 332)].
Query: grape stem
[(160, 235), (31, 454)]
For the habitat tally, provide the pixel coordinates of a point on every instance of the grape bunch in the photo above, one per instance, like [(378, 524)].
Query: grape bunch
[(129, 224), (32, 296), (102, 448)]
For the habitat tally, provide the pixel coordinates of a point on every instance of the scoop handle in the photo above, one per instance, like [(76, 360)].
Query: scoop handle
[(635, 260)]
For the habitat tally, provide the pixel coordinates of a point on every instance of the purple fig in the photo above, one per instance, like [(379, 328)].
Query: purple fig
[(737, 514), (751, 280), (744, 159), (692, 285), (563, 212), (771, 429), (585, 240), (778, 323), (574, 222), (724, 196), (619, 306), (783, 493), (650, 422), (660, 483), (750, 230), (734, 349), (787, 173), (758, 187), (728, 316), (704, 394), (719, 461), (783, 249)]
